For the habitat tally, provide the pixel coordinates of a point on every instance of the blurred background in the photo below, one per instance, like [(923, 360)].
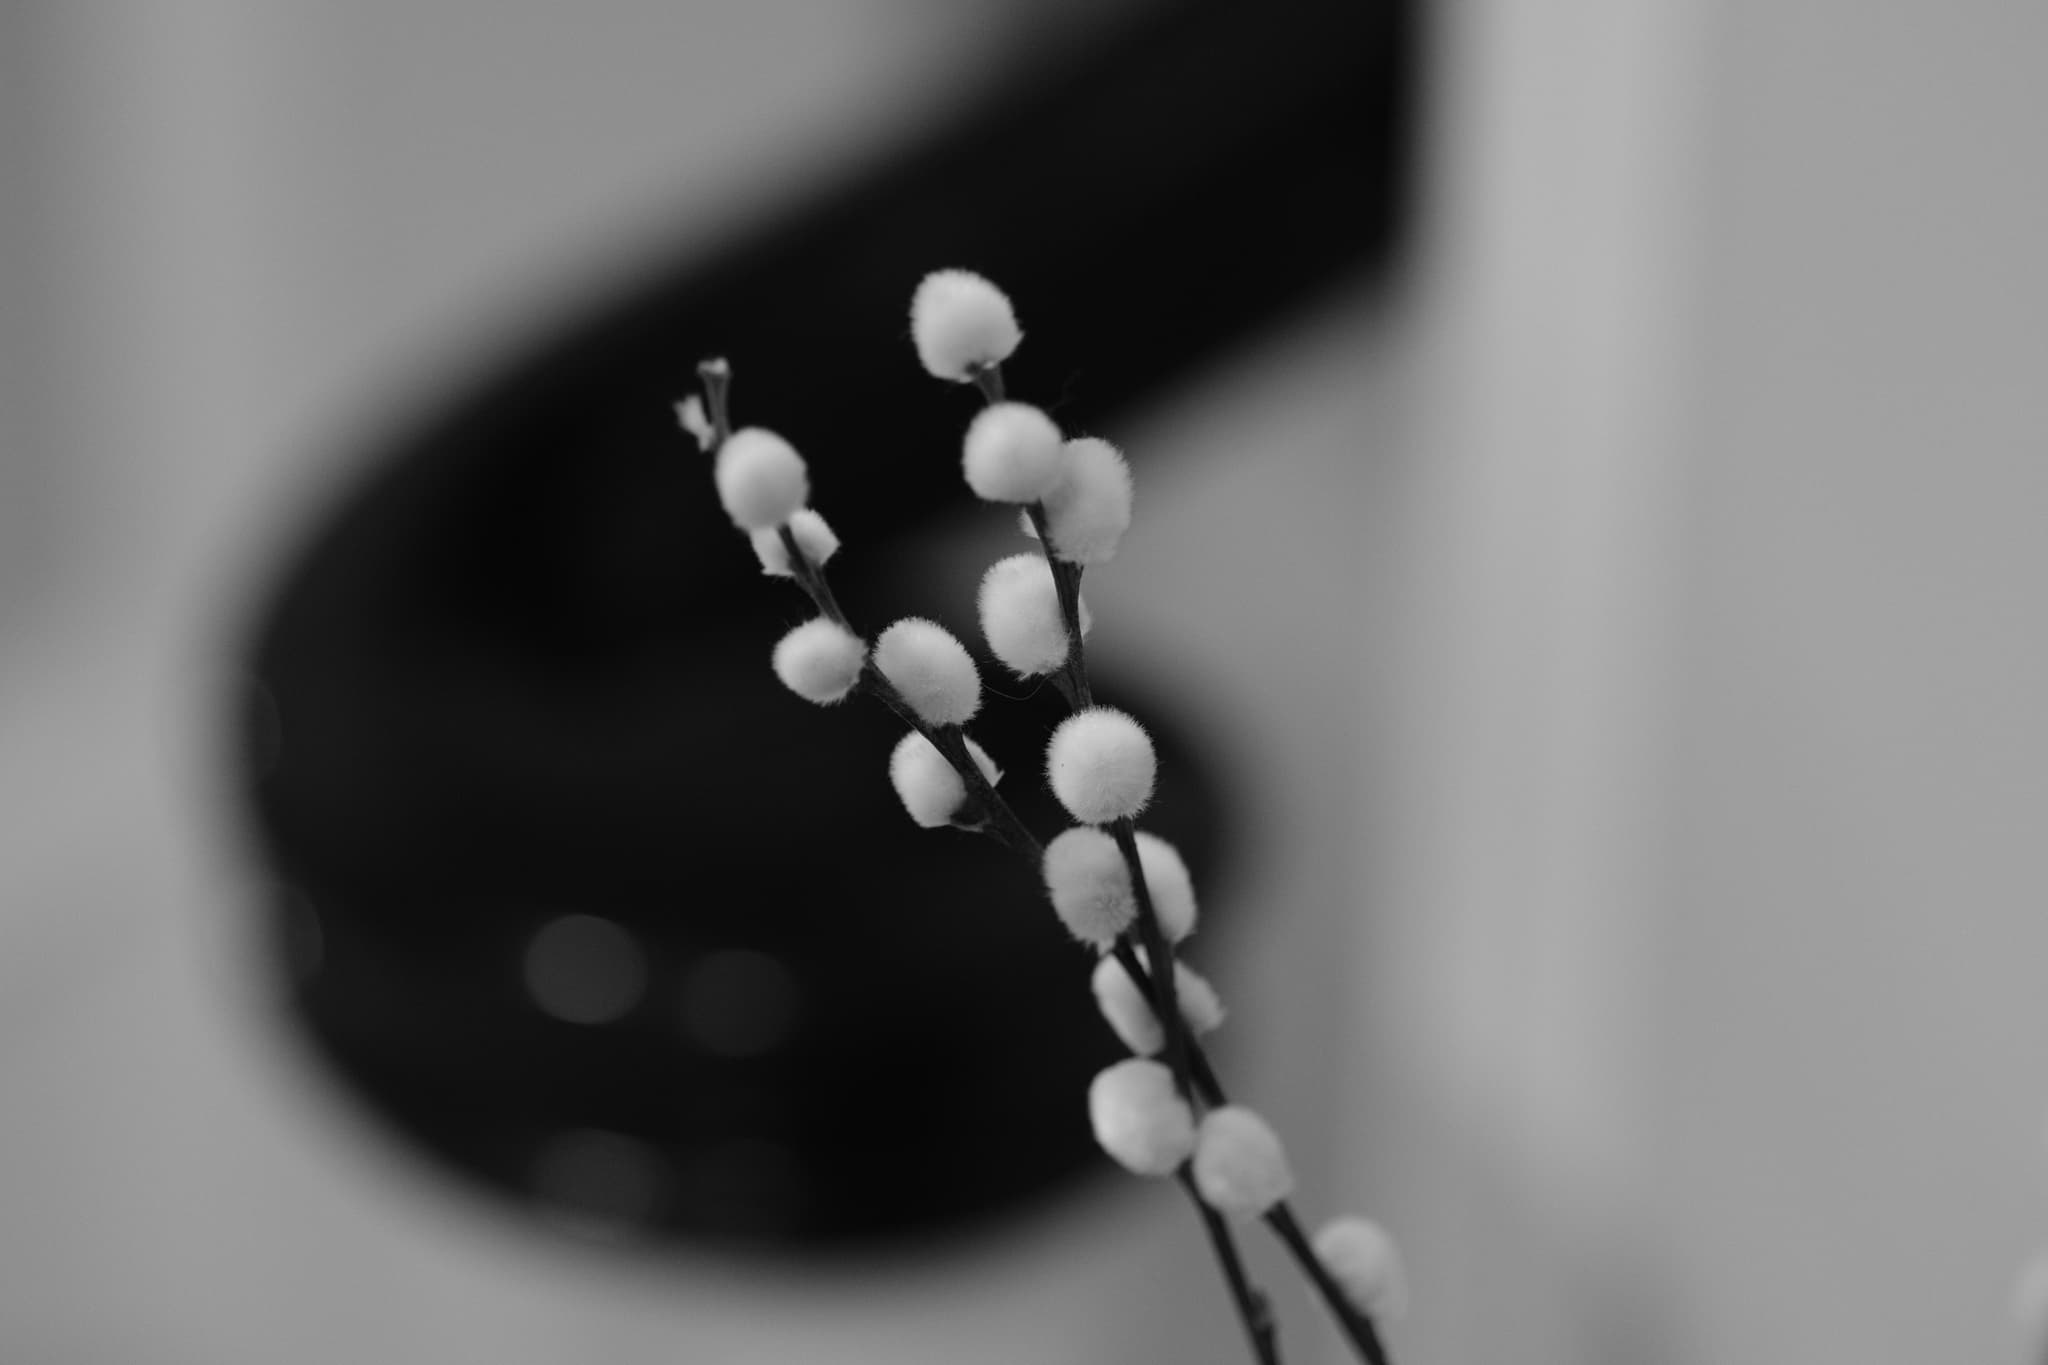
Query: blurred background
[(1585, 576)]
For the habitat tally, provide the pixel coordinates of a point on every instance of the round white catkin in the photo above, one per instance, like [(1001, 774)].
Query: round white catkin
[(931, 670), (1089, 509), (927, 784), (1012, 453), (1172, 889), (1139, 1119), (1240, 1166), (1020, 615), (813, 537), (1089, 885), (690, 417), (1364, 1261), (761, 479), (820, 660), (961, 323), (1130, 1015), (1101, 765)]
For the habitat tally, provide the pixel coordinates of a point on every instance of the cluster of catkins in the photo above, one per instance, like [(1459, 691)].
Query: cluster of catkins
[(1076, 498)]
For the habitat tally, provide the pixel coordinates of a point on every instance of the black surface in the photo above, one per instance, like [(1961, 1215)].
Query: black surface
[(521, 673)]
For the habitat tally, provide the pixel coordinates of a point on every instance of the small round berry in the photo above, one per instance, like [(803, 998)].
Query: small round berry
[(813, 537), (931, 670), (820, 660), (1240, 1166), (1089, 509), (1089, 885), (1101, 765), (1012, 453), (1139, 1119), (961, 323), (1020, 615), (761, 479), (1364, 1261), (1130, 1015), (926, 782), (1171, 888)]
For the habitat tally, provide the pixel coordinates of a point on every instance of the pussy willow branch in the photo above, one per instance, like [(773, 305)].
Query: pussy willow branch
[(1184, 1054), (1000, 821), (1252, 1307)]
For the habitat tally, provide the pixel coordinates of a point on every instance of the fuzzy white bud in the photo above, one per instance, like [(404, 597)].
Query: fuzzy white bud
[(961, 323), (820, 660), (1101, 765), (1089, 509), (1240, 1166), (761, 479), (813, 537), (1089, 884), (927, 784), (931, 670), (690, 417), (1020, 615), (1012, 453), (1366, 1264), (1139, 1118), (1172, 889), (1131, 1016)]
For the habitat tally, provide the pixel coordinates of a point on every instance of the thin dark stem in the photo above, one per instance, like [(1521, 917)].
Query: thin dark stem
[(1252, 1308), (716, 375), (1066, 584), (1357, 1327), (1002, 820), (1193, 1073), (811, 577), (1165, 992), (1199, 1071), (989, 379)]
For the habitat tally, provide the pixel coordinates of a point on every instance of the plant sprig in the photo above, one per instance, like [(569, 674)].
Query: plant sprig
[(1075, 499)]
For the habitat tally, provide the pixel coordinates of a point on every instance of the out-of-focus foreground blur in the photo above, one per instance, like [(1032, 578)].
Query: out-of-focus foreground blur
[(1615, 635)]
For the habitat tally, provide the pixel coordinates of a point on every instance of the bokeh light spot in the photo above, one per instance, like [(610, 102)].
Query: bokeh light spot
[(585, 970)]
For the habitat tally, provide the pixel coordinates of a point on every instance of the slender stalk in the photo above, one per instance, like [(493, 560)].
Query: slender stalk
[(1066, 584), (1193, 1072), (717, 377), (1357, 1327), (1165, 989), (1252, 1307)]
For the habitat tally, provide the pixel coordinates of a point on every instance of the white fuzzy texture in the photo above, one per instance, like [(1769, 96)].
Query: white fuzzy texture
[(1139, 1119), (761, 479), (1089, 885), (1012, 453), (927, 784), (1173, 890), (1240, 1166), (961, 323), (1089, 509), (813, 537), (1364, 1261), (1020, 615), (931, 669), (690, 417), (1130, 1015), (820, 660), (1101, 765)]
